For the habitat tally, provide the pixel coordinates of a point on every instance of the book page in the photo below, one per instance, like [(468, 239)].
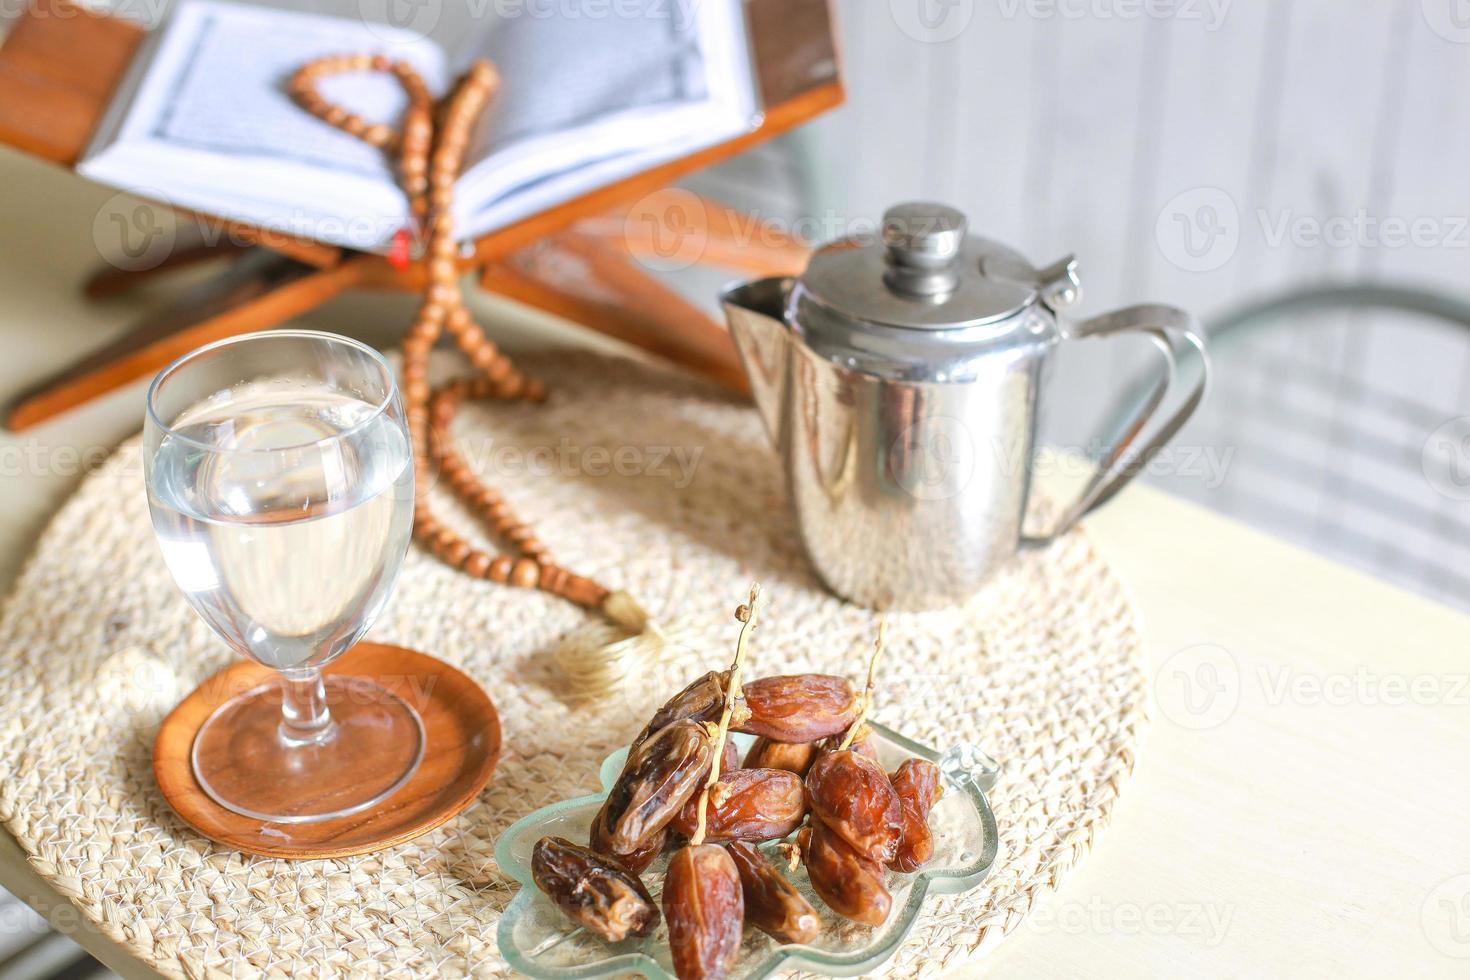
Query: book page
[(204, 122), (559, 73), (642, 81), (226, 92)]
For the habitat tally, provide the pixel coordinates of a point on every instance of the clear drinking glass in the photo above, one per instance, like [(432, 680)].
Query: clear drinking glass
[(280, 479)]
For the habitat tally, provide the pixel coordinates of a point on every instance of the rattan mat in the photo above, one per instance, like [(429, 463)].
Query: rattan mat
[(644, 480)]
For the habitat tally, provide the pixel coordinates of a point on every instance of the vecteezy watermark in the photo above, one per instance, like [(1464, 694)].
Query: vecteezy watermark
[(1208, 13), (148, 12), (932, 21), (1199, 230), (1202, 686), (1205, 923), (138, 232), (1450, 19), (1207, 465), (133, 234), (668, 231), (675, 464), (1445, 917), (1198, 688), (673, 228), (391, 19), (33, 458), (1362, 229), (938, 457), (1445, 458), (1362, 686), (935, 458)]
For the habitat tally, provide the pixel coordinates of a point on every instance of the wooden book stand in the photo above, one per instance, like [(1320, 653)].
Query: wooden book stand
[(60, 65)]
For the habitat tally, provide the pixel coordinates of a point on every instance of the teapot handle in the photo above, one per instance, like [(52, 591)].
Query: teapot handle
[(1171, 330)]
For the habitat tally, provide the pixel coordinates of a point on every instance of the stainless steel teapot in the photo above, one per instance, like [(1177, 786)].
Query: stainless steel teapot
[(899, 379)]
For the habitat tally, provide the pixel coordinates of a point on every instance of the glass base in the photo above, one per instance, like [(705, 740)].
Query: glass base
[(373, 745)]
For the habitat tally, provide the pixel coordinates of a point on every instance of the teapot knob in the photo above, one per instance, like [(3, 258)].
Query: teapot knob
[(923, 240)]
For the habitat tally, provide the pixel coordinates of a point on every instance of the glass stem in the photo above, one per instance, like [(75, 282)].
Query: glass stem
[(305, 716)]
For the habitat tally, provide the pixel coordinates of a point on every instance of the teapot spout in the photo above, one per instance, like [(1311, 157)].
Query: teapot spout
[(756, 313)]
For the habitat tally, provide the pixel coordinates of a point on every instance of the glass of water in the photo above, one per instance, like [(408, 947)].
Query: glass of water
[(281, 483)]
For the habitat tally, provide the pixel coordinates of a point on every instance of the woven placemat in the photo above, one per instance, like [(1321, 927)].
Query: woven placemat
[(644, 480)]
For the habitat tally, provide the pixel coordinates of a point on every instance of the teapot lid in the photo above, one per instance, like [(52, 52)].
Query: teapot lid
[(924, 272)]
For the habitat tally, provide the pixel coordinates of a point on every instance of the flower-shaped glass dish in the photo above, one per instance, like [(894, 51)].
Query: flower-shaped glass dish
[(536, 939)]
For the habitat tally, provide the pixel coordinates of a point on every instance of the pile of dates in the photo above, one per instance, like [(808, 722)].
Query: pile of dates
[(851, 821)]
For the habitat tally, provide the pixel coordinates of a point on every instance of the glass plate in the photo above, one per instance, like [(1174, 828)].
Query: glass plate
[(539, 941)]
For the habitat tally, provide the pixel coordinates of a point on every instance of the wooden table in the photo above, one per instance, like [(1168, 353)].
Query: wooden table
[(1299, 805)]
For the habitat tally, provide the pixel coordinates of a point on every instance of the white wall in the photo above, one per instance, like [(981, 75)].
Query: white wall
[(1167, 144)]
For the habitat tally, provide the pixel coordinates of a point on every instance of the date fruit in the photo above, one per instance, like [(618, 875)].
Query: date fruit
[(916, 781), (772, 903), (636, 861), (792, 756), (705, 911), (850, 884), (730, 758), (799, 707), (659, 778), (593, 891), (862, 745), (702, 701), (747, 804), (851, 794)]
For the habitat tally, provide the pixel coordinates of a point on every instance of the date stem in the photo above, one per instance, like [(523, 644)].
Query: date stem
[(857, 723), (747, 616)]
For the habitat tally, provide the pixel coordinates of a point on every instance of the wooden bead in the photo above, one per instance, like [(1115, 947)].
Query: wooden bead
[(486, 356), (500, 568), (526, 574), (499, 371), (478, 564), (583, 591), (456, 553)]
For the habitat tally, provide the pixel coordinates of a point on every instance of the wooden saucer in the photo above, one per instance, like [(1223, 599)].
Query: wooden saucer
[(462, 746)]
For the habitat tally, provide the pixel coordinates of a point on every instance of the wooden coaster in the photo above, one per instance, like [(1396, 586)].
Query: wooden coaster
[(462, 746)]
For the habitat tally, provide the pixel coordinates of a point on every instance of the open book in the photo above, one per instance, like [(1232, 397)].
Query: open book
[(203, 120)]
